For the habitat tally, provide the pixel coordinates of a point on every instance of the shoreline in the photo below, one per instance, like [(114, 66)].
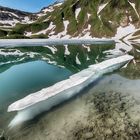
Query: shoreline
[(42, 42)]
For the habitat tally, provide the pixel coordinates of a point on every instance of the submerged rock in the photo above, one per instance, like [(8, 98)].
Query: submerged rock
[(2, 136), (111, 120)]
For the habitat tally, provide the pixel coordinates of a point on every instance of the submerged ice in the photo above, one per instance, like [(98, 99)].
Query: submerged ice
[(45, 99)]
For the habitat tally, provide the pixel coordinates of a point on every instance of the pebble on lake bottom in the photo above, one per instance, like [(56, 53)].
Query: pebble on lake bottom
[(108, 119)]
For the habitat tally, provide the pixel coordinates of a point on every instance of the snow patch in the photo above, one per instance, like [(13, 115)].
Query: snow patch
[(49, 9), (88, 15), (17, 53), (87, 47), (27, 20), (62, 34), (113, 53), (86, 33), (9, 22), (138, 50), (124, 31), (77, 11), (101, 7), (50, 28), (11, 52), (67, 52), (53, 49), (10, 13), (134, 7), (87, 58), (77, 60), (58, 4)]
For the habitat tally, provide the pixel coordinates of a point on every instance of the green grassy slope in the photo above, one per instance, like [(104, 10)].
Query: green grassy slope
[(116, 13)]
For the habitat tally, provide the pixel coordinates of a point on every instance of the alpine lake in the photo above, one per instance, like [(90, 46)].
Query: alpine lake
[(107, 109)]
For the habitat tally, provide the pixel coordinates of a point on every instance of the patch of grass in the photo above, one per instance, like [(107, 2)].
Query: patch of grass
[(34, 28), (15, 36), (39, 36), (3, 33)]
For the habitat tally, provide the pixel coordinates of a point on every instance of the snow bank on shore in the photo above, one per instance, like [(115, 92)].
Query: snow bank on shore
[(45, 99)]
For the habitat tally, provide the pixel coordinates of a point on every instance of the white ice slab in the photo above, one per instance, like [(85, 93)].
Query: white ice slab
[(73, 81), (45, 99)]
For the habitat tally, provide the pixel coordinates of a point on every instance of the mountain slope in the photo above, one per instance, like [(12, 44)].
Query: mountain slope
[(9, 17), (83, 19)]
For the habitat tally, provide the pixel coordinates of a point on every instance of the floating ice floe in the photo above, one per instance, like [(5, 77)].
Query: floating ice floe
[(45, 99)]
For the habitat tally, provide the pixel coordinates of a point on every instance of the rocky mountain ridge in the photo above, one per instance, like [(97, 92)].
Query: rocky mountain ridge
[(10, 17)]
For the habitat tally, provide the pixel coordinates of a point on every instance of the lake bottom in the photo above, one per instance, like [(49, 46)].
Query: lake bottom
[(109, 110)]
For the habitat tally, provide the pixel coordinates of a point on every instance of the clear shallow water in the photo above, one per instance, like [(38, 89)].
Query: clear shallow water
[(20, 80), (95, 111), (25, 70)]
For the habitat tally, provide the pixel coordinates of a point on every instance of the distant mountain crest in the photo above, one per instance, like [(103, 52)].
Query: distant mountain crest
[(10, 17)]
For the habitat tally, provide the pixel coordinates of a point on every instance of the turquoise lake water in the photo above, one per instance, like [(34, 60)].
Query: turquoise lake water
[(25, 70), (23, 79)]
